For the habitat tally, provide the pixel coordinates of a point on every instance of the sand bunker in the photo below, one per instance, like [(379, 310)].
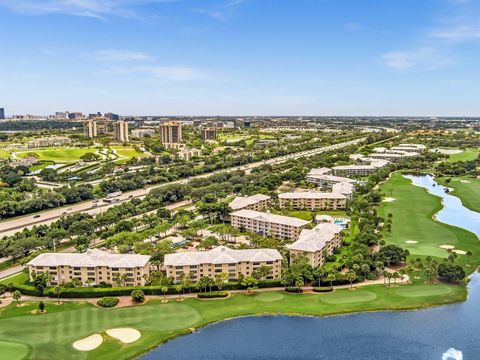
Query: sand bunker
[(125, 335), (448, 151), (389, 199), (465, 181), (89, 343), (459, 252), (411, 242), (447, 247)]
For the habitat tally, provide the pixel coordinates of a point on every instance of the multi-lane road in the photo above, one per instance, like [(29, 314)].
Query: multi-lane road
[(10, 227)]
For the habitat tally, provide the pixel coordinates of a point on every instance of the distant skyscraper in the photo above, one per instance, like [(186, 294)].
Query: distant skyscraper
[(121, 131), (246, 123), (112, 116), (90, 128), (2, 113), (171, 132)]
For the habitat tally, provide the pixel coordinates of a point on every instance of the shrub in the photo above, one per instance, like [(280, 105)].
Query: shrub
[(138, 296), (293, 289), (107, 302), (322, 289), (213, 294), (41, 306), (25, 289)]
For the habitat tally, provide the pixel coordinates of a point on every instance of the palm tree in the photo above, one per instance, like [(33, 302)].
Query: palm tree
[(331, 277), (351, 276), (164, 290), (17, 295), (57, 290), (395, 276), (402, 272)]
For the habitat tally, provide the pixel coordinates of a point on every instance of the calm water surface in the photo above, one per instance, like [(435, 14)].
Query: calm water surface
[(445, 333), (453, 212)]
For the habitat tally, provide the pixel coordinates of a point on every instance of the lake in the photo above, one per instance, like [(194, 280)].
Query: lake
[(444, 333)]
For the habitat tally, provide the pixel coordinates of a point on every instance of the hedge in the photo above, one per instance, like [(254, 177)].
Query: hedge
[(212, 295), (293, 289), (108, 302), (94, 292), (26, 289), (323, 289)]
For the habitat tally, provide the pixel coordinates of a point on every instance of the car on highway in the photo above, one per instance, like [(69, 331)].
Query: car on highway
[(36, 216)]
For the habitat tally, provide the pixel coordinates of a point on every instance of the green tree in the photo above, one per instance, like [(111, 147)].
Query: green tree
[(331, 277), (250, 283), (138, 296), (351, 277), (41, 306), (17, 295), (57, 290)]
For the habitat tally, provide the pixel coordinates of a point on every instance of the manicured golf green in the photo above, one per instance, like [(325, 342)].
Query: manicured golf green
[(413, 211), (354, 296), (13, 351), (127, 151), (51, 335), (59, 155), (466, 155), (432, 290), (467, 189)]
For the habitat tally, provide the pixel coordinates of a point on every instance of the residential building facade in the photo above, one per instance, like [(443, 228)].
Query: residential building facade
[(311, 200), (171, 132), (92, 267), (220, 260), (266, 224), (121, 131), (317, 243), (257, 202)]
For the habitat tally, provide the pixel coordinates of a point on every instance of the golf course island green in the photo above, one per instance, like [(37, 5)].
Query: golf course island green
[(465, 188)]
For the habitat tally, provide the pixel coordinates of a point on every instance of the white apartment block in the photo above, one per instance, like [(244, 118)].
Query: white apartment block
[(48, 141), (311, 200), (352, 170), (327, 181), (344, 188), (222, 260), (139, 133), (266, 224), (94, 267), (322, 240), (121, 131), (257, 202)]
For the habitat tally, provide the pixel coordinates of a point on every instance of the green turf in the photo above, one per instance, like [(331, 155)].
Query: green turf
[(50, 335), (15, 279), (467, 189), (343, 297), (13, 350), (424, 291), (466, 155), (59, 155), (413, 212), (269, 296), (4, 154)]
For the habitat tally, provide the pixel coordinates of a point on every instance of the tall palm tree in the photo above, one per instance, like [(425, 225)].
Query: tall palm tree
[(469, 255), (331, 277)]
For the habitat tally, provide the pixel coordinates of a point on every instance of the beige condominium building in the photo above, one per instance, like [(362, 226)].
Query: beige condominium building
[(312, 200), (93, 267), (171, 133), (322, 240), (352, 170), (266, 224), (222, 260), (121, 131), (257, 202), (344, 188)]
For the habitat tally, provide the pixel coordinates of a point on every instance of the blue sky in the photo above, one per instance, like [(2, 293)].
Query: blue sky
[(241, 57)]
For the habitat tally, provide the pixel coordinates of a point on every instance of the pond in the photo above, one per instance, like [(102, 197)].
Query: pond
[(453, 212)]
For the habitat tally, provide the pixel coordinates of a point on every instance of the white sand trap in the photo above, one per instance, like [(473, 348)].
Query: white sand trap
[(459, 252), (411, 242), (125, 335), (447, 247), (448, 151), (465, 181), (389, 199), (89, 343)]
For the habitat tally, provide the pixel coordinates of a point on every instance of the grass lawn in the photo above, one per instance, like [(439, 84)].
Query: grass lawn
[(58, 155), (467, 189), (309, 215), (20, 278), (4, 154), (412, 220), (466, 155), (127, 151), (50, 335)]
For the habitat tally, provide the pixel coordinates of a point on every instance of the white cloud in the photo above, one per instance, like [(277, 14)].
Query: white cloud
[(459, 33), (89, 8), (118, 55), (171, 72), (221, 10), (428, 58)]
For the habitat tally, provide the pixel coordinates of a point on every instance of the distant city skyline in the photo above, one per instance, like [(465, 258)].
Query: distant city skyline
[(241, 57)]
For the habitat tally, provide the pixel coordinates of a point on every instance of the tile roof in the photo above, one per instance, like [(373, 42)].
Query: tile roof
[(90, 258), (241, 202), (315, 240), (272, 218), (221, 255)]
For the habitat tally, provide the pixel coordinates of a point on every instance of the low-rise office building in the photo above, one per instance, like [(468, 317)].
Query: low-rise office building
[(311, 200), (257, 202), (92, 267), (48, 141), (266, 224), (222, 260), (317, 243)]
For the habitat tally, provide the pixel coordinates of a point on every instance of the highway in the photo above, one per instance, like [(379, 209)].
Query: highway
[(10, 227)]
